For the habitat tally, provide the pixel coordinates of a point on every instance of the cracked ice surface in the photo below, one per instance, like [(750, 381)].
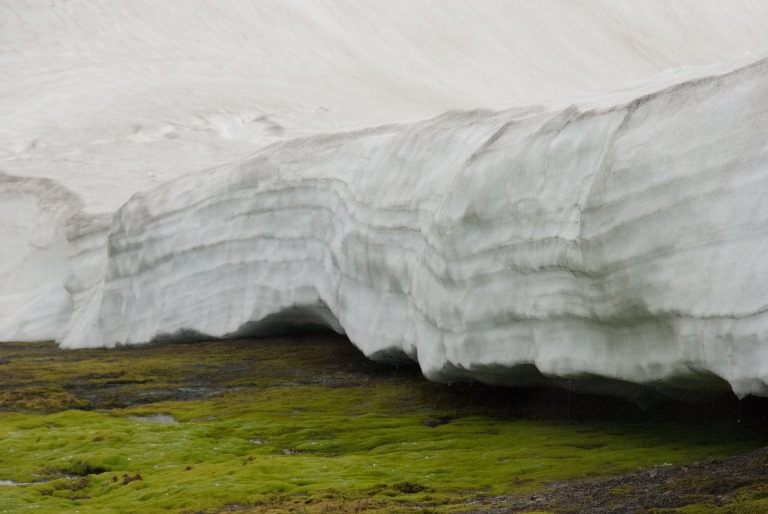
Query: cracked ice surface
[(619, 234)]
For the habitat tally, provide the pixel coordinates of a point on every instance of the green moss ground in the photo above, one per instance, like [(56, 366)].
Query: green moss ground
[(308, 425)]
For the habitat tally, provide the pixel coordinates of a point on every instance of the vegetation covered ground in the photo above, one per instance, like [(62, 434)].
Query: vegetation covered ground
[(307, 424)]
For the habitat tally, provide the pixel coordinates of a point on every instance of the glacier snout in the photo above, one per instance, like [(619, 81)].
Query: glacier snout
[(624, 242)]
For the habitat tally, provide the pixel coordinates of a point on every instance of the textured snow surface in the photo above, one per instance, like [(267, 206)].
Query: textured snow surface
[(617, 234)]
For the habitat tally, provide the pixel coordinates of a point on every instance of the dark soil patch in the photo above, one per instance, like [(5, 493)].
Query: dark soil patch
[(709, 485)]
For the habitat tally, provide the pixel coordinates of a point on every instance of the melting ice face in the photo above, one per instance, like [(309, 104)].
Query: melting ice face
[(621, 235)]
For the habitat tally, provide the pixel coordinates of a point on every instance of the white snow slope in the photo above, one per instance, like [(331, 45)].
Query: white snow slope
[(618, 234)]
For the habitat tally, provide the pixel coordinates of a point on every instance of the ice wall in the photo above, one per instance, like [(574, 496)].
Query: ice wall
[(52, 257), (33, 301), (623, 241)]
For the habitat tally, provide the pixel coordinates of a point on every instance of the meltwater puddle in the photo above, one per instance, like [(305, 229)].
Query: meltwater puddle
[(165, 419)]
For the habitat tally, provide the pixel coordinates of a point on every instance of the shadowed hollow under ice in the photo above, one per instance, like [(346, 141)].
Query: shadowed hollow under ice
[(614, 236)]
